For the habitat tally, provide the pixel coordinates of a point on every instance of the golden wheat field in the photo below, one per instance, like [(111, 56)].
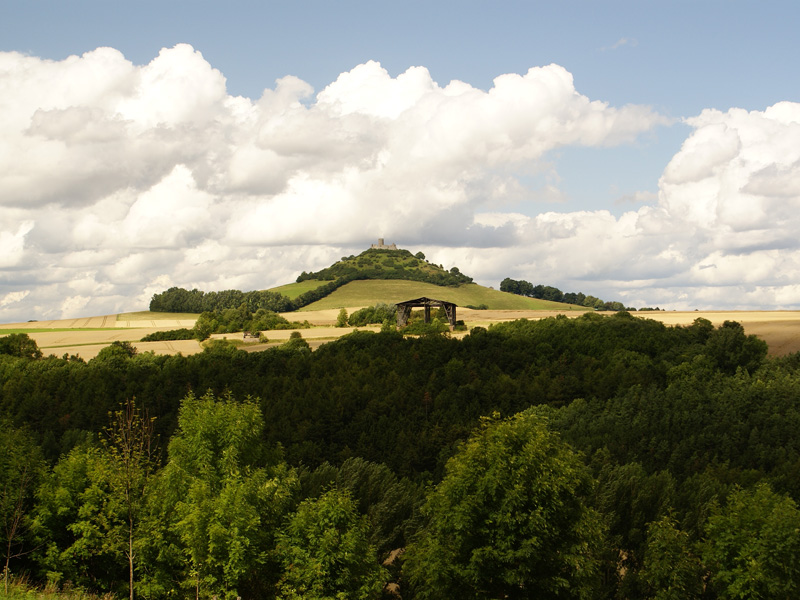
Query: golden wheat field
[(85, 337)]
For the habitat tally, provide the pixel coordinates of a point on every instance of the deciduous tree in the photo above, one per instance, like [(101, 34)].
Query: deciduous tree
[(671, 570), (226, 493), (509, 519), (325, 552), (21, 466), (80, 523), (129, 442), (752, 545)]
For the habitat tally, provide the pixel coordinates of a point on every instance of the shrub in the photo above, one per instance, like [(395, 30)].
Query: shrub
[(373, 314), (172, 334)]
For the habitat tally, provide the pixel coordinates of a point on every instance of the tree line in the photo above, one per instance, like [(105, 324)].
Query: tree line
[(596, 457), (553, 294)]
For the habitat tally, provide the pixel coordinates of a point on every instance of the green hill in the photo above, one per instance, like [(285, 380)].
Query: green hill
[(375, 275), (370, 292), (391, 276)]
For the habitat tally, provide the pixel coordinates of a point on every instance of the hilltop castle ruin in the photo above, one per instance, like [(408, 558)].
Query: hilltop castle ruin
[(381, 246)]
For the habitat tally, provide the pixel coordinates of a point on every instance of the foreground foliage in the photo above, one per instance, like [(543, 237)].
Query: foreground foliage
[(325, 553), (626, 459), (509, 520)]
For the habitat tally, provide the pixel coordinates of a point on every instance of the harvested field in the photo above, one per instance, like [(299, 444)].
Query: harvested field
[(85, 337), (310, 335), (779, 328), (156, 319), (103, 322), (324, 318)]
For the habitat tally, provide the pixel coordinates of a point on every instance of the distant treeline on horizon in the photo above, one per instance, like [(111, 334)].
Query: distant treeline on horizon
[(547, 292)]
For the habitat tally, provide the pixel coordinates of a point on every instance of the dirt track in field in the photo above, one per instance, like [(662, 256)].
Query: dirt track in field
[(780, 329)]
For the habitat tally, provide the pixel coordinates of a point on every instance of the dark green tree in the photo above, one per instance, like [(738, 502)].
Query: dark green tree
[(672, 571), (752, 546), (325, 552), (81, 523), (509, 519), (20, 345), (731, 348), (224, 493), (21, 467)]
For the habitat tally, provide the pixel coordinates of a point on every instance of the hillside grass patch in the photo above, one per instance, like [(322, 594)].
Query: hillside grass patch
[(294, 290), (369, 292)]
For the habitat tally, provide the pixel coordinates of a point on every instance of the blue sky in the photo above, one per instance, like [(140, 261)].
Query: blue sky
[(674, 59), (679, 57)]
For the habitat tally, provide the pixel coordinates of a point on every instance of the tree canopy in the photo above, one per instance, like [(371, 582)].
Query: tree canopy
[(600, 456), (510, 519)]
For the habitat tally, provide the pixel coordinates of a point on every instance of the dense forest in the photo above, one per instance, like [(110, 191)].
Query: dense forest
[(596, 457)]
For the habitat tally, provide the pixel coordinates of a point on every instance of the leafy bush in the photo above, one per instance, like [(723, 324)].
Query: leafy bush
[(373, 314), (422, 328), (240, 319), (20, 345), (172, 334)]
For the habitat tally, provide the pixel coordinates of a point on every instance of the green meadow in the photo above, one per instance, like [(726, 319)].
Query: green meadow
[(293, 290), (369, 292)]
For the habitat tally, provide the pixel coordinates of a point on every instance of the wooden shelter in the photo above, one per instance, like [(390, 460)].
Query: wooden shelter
[(404, 310)]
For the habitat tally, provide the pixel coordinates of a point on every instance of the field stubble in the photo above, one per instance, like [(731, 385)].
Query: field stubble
[(85, 337)]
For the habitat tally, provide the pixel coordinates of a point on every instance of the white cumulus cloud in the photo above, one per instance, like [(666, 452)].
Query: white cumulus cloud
[(721, 235), (118, 181)]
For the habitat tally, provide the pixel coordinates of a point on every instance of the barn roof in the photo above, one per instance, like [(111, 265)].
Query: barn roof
[(424, 301)]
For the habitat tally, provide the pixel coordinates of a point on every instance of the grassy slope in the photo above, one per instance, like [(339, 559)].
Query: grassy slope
[(293, 290), (368, 292)]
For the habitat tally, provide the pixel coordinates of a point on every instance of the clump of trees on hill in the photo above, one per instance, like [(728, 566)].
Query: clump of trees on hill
[(388, 264), (230, 320), (553, 294), (179, 300), (601, 456), (379, 313)]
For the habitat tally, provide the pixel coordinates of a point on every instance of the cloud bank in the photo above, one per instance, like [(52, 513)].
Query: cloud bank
[(118, 181)]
